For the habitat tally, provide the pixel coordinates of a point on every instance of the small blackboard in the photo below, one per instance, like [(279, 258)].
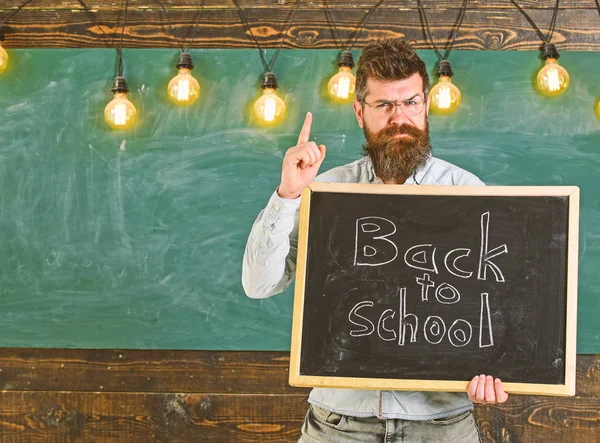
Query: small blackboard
[(424, 287)]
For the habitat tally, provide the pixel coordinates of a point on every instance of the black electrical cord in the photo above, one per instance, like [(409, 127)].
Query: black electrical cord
[(171, 27), (459, 21), (552, 21), (268, 66), (121, 44), (90, 15), (16, 11), (362, 24)]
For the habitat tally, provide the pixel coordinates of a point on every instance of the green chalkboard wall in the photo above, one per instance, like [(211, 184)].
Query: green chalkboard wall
[(135, 240)]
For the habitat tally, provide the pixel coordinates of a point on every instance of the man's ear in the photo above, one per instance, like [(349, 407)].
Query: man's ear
[(358, 111), (427, 108)]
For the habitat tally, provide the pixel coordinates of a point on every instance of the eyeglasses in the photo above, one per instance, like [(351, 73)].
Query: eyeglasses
[(409, 108)]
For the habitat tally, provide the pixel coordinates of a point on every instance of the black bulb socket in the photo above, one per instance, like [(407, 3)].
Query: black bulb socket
[(270, 81), (346, 59), (185, 61), (549, 51), (2, 35), (444, 69), (120, 85)]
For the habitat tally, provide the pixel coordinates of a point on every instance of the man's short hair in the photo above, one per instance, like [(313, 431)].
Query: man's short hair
[(388, 59)]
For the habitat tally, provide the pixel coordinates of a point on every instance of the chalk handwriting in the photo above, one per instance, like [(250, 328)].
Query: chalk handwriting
[(447, 288), (453, 267), (374, 246), (406, 319), (458, 335), (417, 258), (485, 317), (367, 255), (425, 283), (366, 329), (434, 328), (485, 256)]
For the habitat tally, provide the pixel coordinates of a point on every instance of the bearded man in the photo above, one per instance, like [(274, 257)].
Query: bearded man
[(391, 107)]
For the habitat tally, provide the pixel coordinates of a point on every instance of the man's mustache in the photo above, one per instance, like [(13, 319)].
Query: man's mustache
[(400, 129)]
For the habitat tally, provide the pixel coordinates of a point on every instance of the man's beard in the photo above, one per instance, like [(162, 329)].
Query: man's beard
[(396, 159)]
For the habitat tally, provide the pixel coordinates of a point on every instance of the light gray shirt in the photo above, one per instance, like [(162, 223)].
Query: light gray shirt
[(270, 265)]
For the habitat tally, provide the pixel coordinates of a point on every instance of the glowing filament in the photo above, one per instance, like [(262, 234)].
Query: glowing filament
[(270, 106), (553, 80), (444, 97), (343, 89), (183, 90), (120, 114)]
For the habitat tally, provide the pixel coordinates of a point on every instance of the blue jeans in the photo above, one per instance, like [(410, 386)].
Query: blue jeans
[(323, 427)]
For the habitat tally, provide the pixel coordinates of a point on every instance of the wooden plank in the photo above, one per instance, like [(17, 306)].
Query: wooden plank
[(145, 371), (264, 4), (239, 372), (540, 419), (483, 28), (141, 417), (588, 376)]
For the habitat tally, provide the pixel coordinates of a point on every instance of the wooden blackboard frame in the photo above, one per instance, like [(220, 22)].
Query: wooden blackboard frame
[(564, 389)]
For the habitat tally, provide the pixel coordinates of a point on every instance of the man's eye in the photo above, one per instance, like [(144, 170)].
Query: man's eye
[(411, 103), (385, 105)]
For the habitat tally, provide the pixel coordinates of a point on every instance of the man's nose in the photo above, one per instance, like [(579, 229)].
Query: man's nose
[(397, 117)]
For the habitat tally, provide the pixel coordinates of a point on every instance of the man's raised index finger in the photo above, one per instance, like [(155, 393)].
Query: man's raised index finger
[(305, 131)]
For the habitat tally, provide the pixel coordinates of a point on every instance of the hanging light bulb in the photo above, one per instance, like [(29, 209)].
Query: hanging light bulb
[(444, 96), (184, 89), (269, 109), (342, 85), (3, 54), (120, 112), (552, 79), (598, 108)]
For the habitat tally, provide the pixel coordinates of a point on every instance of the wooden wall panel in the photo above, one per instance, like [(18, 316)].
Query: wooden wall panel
[(239, 372), (488, 24), (236, 372), (117, 5), (143, 417), (541, 419), (135, 395)]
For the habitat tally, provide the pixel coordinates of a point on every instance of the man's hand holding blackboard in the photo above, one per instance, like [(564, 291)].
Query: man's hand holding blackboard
[(487, 390), (301, 163)]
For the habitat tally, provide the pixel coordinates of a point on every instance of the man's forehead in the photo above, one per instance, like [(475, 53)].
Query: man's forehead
[(410, 86)]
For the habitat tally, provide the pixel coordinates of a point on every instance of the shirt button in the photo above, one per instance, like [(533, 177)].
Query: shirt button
[(277, 207)]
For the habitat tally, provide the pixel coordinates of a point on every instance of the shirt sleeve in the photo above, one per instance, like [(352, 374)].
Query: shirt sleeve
[(269, 264)]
